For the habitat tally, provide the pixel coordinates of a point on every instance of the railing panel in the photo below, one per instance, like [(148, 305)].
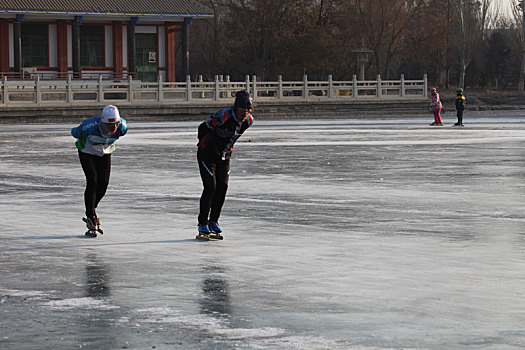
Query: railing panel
[(118, 91)]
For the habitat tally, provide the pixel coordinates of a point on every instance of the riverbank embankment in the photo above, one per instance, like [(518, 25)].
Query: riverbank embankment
[(477, 101)]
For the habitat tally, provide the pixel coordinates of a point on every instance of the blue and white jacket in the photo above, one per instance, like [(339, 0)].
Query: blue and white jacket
[(90, 138)]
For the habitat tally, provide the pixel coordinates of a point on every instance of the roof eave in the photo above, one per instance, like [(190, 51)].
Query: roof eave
[(112, 14)]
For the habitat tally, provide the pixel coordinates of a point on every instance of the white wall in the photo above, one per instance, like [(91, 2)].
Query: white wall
[(146, 29)]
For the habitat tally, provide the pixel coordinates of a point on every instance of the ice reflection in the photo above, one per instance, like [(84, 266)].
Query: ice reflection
[(97, 277), (215, 299)]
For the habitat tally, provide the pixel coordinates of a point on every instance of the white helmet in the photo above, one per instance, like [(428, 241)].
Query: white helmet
[(110, 114)]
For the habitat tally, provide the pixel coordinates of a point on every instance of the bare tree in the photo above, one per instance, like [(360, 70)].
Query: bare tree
[(471, 33), (448, 39), (518, 12), (462, 58), (386, 24), (484, 16)]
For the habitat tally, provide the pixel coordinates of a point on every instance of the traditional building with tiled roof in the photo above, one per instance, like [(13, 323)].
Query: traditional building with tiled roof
[(109, 38)]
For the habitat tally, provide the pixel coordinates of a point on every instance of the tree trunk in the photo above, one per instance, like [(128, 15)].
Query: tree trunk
[(521, 86), (462, 64), (485, 5)]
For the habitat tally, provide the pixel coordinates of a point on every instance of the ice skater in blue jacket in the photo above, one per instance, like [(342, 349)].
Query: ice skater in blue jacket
[(96, 139)]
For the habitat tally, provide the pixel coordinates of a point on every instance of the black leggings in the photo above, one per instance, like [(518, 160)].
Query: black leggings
[(460, 116), (215, 176), (96, 169)]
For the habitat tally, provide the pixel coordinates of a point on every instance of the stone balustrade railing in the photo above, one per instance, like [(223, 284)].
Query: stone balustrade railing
[(80, 92)]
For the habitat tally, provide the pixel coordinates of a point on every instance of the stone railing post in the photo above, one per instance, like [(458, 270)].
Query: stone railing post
[(330, 87), (247, 82), (201, 86), (37, 89), (425, 85), (4, 90), (216, 79), (354, 87), (305, 87), (280, 87), (188, 88), (402, 85), (160, 93), (69, 90), (100, 89), (130, 88), (254, 87), (379, 88)]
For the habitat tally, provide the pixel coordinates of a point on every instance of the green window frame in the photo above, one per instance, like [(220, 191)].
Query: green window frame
[(92, 46), (35, 52)]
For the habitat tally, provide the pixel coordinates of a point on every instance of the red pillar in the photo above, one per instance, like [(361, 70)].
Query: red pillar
[(4, 45), (171, 29), (117, 49), (62, 48)]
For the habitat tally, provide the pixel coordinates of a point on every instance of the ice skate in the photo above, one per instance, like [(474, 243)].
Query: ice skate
[(204, 232), (214, 227), (215, 230), (91, 233), (93, 228)]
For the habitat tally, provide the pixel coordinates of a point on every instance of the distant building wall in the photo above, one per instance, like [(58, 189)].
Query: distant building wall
[(114, 38)]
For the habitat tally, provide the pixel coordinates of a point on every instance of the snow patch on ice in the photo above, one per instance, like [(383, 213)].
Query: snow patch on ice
[(22, 293), (166, 315), (252, 338), (299, 343), (205, 323), (243, 333), (80, 303)]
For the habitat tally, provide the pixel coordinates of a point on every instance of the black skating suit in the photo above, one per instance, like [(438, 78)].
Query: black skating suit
[(217, 136)]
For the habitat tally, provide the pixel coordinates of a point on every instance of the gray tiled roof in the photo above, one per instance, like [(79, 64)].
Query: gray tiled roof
[(189, 8)]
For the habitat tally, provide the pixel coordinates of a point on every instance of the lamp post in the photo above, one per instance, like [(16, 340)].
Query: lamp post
[(362, 58)]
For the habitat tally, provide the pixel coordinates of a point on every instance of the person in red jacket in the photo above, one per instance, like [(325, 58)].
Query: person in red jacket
[(217, 136), (436, 107)]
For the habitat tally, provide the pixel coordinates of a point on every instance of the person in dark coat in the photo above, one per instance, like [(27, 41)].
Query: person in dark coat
[(217, 135), (460, 106)]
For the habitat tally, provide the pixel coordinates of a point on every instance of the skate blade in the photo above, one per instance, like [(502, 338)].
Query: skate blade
[(216, 236), (203, 237)]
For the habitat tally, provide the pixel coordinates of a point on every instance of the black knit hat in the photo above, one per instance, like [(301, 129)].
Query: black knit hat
[(243, 100)]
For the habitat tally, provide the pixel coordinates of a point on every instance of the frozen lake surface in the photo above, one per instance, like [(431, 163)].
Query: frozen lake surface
[(339, 234)]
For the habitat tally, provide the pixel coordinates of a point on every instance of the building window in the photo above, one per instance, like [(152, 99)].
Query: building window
[(34, 45), (92, 46)]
